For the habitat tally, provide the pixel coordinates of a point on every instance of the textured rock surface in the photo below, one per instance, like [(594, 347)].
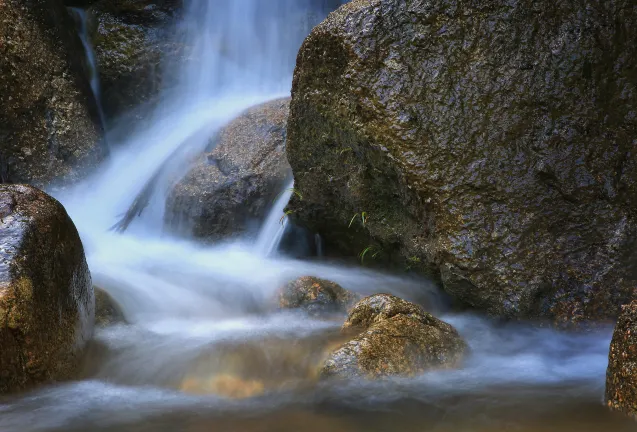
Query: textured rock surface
[(46, 295), (107, 311), (492, 143), (235, 184), (130, 39), (398, 338), (316, 296), (49, 125), (621, 376)]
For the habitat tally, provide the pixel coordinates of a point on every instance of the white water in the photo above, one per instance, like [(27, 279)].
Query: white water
[(275, 224), (182, 298)]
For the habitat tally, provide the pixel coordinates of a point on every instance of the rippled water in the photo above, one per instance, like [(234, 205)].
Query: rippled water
[(205, 349)]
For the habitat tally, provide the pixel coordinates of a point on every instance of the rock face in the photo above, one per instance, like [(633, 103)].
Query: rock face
[(49, 127), (621, 376), (130, 39), (46, 296), (491, 143), (316, 296), (398, 338), (235, 184)]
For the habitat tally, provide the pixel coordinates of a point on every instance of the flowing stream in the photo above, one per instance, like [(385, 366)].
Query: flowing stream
[(204, 348)]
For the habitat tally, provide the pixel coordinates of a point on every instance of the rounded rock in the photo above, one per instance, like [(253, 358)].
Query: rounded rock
[(316, 296), (398, 339), (47, 303)]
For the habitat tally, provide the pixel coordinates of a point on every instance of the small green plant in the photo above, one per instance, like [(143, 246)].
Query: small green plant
[(345, 150), (363, 219), (373, 251), (411, 262)]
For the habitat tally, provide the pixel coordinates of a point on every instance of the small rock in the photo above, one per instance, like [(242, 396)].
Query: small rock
[(621, 376), (399, 339), (316, 296), (107, 311)]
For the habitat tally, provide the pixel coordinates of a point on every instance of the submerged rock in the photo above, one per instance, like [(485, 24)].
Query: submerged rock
[(49, 123), (316, 296), (233, 186), (398, 338), (46, 295), (107, 311), (621, 376), (490, 144)]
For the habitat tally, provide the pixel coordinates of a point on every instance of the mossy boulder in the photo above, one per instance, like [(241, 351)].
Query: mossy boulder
[(49, 122), (621, 376), (46, 296), (131, 38), (230, 189), (316, 296), (491, 144), (398, 339)]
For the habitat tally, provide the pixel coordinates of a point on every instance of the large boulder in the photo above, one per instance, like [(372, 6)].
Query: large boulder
[(231, 188), (316, 296), (46, 296), (398, 338), (621, 376), (49, 122), (491, 144)]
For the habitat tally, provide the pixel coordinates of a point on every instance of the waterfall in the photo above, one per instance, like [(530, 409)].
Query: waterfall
[(275, 224), (81, 19)]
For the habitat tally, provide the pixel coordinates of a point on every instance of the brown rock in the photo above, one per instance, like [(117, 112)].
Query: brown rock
[(316, 296), (107, 311), (235, 184), (398, 338), (49, 123), (621, 376), (46, 296)]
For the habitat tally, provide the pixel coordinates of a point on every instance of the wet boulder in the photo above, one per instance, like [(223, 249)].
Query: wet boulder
[(397, 338), (131, 38), (49, 122), (316, 296), (489, 144), (46, 296), (231, 188), (621, 376)]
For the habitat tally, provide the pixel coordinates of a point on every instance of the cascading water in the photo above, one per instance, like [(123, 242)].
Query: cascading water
[(81, 19), (275, 224), (190, 306)]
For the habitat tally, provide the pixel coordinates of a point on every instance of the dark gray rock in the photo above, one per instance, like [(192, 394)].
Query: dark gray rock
[(235, 184), (490, 144)]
